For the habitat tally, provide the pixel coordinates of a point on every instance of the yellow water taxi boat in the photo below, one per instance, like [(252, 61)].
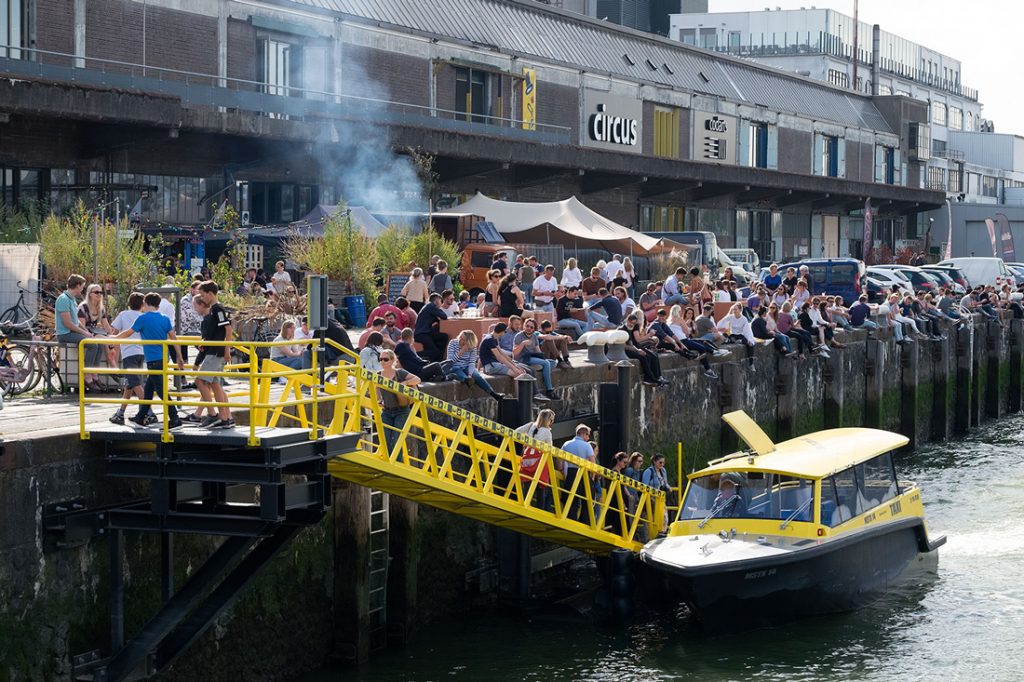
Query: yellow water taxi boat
[(817, 524)]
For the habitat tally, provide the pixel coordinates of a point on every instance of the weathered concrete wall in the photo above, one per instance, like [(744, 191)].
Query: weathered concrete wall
[(308, 601)]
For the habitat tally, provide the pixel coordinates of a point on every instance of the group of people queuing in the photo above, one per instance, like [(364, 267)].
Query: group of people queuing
[(567, 470)]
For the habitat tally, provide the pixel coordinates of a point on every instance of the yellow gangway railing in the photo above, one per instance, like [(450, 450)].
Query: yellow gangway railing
[(254, 393), (455, 459), (428, 450)]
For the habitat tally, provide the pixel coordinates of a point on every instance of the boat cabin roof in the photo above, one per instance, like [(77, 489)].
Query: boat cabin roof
[(816, 455)]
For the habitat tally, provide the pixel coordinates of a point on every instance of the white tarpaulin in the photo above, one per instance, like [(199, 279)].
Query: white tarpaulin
[(18, 262), (566, 222)]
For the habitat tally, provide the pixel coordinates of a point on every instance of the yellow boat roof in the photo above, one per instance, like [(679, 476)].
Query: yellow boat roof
[(816, 455)]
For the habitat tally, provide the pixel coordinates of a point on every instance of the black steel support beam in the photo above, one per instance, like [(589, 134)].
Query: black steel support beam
[(133, 654), (758, 194), (711, 191), (221, 597), (796, 199), (595, 182), (525, 176), (116, 590), (659, 187), (166, 566)]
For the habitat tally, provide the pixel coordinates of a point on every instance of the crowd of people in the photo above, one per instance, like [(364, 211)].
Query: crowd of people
[(673, 316)]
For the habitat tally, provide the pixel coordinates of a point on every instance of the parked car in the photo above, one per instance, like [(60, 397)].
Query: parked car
[(954, 274), (950, 275), (1018, 272), (945, 280), (834, 276), (982, 270), (877, 291), (890, 278), (920, 279)]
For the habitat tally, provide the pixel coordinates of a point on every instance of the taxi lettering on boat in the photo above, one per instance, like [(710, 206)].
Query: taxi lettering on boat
[(816, 524)]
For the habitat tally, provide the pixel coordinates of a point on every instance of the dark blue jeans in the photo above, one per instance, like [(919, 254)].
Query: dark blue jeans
[(154, 384)]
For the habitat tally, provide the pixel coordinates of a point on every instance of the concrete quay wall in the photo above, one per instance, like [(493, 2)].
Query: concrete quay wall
[(310, 603)]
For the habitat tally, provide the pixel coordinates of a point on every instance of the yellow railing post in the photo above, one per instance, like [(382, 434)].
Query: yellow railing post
[(253, 365), (83, 434)]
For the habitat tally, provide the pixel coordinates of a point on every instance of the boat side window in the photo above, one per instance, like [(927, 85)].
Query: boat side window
[(880, 484), (758, 495), (844, 488)]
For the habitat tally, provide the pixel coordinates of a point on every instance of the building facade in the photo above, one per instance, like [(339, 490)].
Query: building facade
[(279, 105), (819, 43)]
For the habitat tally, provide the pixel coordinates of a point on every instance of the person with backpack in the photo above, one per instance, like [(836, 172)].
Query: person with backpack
[(441, 281)]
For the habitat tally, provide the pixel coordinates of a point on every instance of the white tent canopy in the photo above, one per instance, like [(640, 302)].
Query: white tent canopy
[(567, 222)]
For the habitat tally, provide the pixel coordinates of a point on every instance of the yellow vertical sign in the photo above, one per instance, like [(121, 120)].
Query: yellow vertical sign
[(529, 98)]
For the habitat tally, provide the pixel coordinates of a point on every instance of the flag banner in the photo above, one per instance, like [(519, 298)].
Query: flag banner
[(868, 220), (991, 225), (1006, 238), (529, 98)]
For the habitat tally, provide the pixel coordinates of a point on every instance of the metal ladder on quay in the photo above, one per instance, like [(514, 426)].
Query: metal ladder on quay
[(379, 558)]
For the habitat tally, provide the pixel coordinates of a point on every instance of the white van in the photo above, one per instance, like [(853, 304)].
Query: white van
[(745, 257), (980, 271)]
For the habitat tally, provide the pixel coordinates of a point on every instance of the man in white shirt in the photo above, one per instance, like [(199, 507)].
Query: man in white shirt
[(671, 292), (544, 288), (167, 310), (614, 268)]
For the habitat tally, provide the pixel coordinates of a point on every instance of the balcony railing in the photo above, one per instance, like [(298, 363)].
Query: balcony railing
[(949, 154), (825, 43), (209, 91)]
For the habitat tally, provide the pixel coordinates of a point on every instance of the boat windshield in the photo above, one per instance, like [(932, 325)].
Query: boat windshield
[(749, 495)]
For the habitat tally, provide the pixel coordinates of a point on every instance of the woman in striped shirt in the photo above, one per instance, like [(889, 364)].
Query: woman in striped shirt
[(464, 357)]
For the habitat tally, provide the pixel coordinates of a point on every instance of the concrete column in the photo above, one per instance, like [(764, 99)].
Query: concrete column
[(909, 405), (874, 368), (1016, 364), (964, 379), (732, 387), (998, 359), (351, 508), (785, 389), (834, 375), (403, 516), (942, 407), (979, 367), (222, 45), (79, 42)]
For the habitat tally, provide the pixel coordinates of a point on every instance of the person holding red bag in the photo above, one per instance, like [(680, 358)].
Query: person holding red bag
[(539, 429)]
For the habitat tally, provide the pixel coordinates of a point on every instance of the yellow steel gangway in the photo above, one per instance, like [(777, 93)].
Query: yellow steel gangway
[(438, 454)]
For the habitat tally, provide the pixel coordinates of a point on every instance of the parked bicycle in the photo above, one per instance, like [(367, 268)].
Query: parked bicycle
[(24, 365), (19, 311)]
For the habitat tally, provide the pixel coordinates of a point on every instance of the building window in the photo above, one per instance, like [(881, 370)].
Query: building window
[(920, 141), (956, 180), (840, 78), (989, 186), (885, 165), (937, 179), (884, 89), (12, 27), (756, 146), (827, 156), (734, 41), (708, 38), (471, 94), (278, 63), (761, 235), (661, 218), (956, 118), (666, 132), (688, 36), (939, 113)]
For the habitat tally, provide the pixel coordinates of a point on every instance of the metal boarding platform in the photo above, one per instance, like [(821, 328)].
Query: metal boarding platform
[(260, 484)]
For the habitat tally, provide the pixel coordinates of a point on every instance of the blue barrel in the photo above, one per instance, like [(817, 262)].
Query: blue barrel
[(356, 310)]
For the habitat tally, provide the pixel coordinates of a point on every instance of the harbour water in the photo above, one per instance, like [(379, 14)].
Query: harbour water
[(964, 623)]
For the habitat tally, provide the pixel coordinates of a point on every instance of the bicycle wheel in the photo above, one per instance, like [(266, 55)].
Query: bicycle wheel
[(18, 356), (10, 316)]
